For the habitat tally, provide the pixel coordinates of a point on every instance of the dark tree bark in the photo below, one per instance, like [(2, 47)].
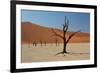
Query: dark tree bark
[(65, 40)]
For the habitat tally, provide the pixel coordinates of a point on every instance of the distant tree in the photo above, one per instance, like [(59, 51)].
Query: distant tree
[(34, 43), (56, 41), (63, 37), (45, 43), (41, 43)]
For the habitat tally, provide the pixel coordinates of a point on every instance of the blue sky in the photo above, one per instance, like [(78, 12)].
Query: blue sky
[(56, 19)]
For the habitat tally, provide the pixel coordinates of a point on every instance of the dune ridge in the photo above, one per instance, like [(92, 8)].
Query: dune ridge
[(31, 32)]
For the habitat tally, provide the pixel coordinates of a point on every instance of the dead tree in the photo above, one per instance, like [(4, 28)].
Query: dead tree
[(34, 43), (63, 37), (56, 41), (45, 43), (41, 43)]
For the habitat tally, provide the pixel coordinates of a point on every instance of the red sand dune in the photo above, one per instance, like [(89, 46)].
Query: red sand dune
[(32, 32)]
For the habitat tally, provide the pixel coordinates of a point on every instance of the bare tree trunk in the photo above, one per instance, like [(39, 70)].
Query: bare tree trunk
[(64, 48), (64, 39)]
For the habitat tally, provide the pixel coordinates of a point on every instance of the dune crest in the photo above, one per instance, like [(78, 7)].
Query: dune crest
[(31, 32)]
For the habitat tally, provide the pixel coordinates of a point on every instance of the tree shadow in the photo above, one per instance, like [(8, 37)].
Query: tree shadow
[(71, 53)]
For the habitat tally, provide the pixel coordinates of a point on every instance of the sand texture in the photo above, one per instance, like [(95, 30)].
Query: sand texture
[(39, 44), (45, 53)]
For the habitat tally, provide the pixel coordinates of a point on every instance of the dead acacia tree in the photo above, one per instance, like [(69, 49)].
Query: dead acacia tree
[(56, 41), (41, 43), (34, 43), (45, 43), (63, 37)]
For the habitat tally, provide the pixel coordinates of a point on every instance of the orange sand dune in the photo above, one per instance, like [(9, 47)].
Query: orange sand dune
[(32, 32)]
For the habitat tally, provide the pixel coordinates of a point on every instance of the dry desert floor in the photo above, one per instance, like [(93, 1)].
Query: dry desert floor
[(46, 53)]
